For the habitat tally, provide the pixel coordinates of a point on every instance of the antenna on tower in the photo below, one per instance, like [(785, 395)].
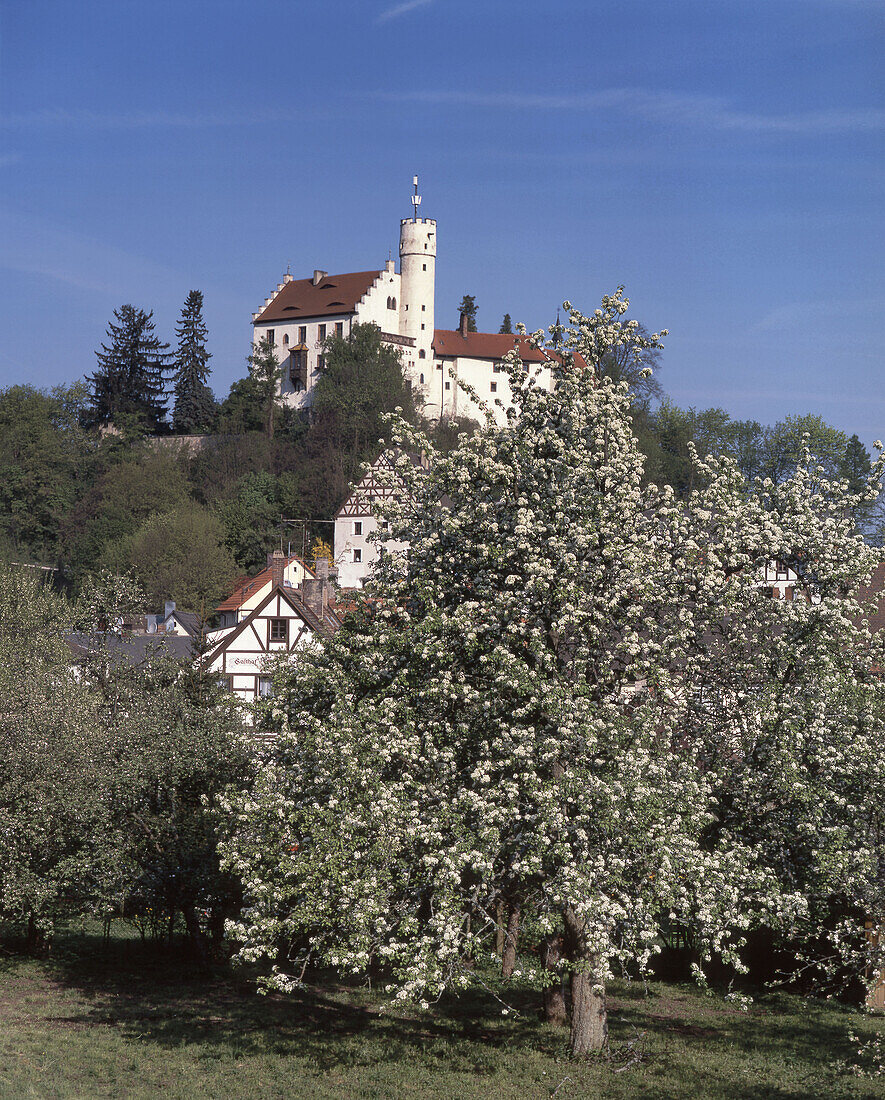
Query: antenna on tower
[(416, 198)]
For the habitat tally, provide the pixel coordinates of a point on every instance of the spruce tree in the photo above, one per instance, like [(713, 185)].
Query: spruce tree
[(194, 403), (468, 308), (506, 325), (129, 384)]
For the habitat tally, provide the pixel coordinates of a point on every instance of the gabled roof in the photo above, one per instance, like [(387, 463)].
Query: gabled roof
[(132, 649), (248, 586), (300, 298), (326, 626), (491, 345)]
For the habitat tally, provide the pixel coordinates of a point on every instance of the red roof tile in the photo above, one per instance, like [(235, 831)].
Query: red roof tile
[(334, 294), (248, 586), (490, 345)]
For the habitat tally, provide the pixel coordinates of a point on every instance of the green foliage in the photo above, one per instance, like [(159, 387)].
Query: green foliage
[(362, 381), (44, 458), (178, 555), (251, 520), (195, 407), (244, 409), (130, 379), (266, 374), (145, 483), (468, 308)]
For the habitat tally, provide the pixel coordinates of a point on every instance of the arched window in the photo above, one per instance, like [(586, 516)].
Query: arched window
[(421, 354), (285, 338), (391, 303)]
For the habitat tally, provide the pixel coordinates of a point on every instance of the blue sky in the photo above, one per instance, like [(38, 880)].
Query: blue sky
[(721, 158)]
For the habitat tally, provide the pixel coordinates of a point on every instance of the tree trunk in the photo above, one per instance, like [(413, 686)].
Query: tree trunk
[(508, 959), (499, 934), (589, 1030), (554, 996), (195, 933)]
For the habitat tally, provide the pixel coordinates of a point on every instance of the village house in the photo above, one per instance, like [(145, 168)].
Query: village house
[(273, 616)]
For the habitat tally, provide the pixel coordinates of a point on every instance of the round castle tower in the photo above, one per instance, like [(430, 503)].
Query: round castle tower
[(417, 257)]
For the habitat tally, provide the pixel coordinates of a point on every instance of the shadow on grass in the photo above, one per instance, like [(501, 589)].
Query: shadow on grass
[(160, 998)]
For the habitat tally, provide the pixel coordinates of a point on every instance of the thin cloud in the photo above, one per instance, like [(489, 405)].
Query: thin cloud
[(669, 108), (97, 120), (402, 9)]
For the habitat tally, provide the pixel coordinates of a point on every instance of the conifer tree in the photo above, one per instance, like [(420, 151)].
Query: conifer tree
[(129, 383), (468, 308), (506, 325), (194, 403)]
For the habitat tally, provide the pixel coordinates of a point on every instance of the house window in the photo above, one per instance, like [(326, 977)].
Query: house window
[(385, 524), (421, 354), (321, 363), (357, 526), (302, 334), (278, 630), (494, 387), (357, 556), (497, 368), (339, 328), (321, 332), (439, 366), (271, 335), (265, 687), (228, 681)]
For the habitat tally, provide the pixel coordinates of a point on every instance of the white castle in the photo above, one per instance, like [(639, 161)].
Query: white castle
[(300, 315)]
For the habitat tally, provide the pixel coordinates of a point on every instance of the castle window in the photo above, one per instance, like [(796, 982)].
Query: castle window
[(439, 366), (285, 338), (422, 328), (497, 368), (321, 363), (302, 334), (339, 328), (494, 387), (424, 267), (448, 385), (391, 303), (422, 379), (321, 332), (423, 308), (298, 369), (270, 333), (421, 353)]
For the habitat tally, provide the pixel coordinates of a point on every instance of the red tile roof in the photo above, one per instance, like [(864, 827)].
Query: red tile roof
[(334, 294), (490, 345), (248, 586)]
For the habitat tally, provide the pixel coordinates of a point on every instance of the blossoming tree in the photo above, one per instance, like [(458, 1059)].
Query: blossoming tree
[(528, 716)]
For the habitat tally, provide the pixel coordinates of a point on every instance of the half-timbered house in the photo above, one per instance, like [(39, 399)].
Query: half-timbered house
[(281, 621), (355, 521)]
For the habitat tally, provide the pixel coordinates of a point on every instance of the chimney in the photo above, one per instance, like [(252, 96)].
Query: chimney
[(462, 324), (168, 608), (315, 593), (277, 569), (318, 276)]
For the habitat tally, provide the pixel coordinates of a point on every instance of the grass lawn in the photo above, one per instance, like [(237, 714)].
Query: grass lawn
[(119, 1020)]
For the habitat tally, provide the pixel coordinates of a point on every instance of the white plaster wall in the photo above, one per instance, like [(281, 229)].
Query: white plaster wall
[(480, 374), (372, 308), (417, 250), (314, 344), (353, 574)]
